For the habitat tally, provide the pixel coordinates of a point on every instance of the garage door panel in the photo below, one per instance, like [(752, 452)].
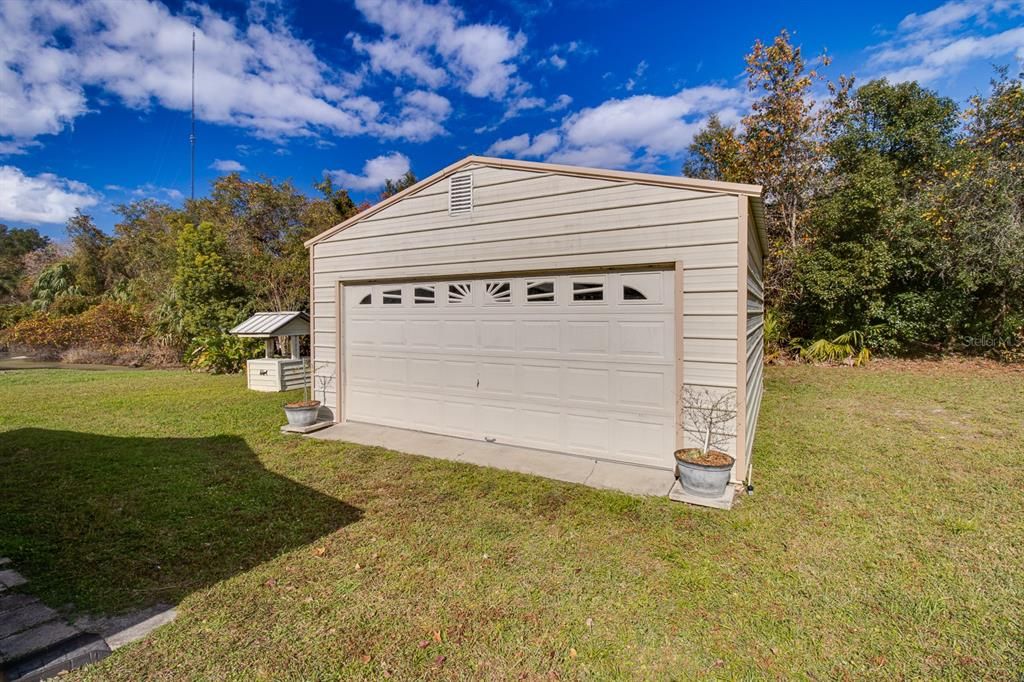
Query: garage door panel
[(587, 337), (459, 417), (539, 336), (424, 334), (644, 339), (497, 422), (587, 385), (498, 335), (498, 378), (362, 368), (424, 373), (459, 334), (391, 370), (641, 439), (539, 381), (639, 389), (588, 434), (533, 361), (459, 374), (422, 412), (388, 333), (539, 428)]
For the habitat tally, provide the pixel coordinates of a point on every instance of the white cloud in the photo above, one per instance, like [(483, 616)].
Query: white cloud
[(525, 146), (662, 126), (227, 166), (621, 133), (375, 171), (561, 102), (419, 120), (147, 191), (939, 43), (638, 73), (944, 17), (43, 198), (557, 54), (259, 77), (432, 44), (522, 104)]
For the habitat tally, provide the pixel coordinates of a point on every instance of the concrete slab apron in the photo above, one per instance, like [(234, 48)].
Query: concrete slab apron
[(559, 466)]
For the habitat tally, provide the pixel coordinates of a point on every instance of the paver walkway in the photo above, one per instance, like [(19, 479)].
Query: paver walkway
[(35, 642)]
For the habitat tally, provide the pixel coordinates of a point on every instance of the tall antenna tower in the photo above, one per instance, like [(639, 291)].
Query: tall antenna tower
[(192, 135)]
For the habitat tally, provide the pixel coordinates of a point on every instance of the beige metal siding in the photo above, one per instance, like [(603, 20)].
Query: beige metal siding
[(754, 340), (263, 375), (532, 221), (292, 375)]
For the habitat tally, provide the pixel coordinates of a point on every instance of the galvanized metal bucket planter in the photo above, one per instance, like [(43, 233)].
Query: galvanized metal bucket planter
[(703, 480), (303, 414)]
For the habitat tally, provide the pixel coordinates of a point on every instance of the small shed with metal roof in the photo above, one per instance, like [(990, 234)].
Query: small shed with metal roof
[(269, 373)]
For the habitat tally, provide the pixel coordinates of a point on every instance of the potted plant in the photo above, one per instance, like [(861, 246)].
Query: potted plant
[(705, 471), (305, 411)]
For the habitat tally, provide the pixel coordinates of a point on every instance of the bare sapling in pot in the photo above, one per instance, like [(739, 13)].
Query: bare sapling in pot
[(705, 471)]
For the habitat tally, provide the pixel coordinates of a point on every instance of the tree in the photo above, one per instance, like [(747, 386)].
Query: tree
[(977, 209), (265, 224), (15, 244), (780, 148), (868, 264), (716, 153), (141, 258), (393, 187), (204, 287), (89, 247), (54, 282)]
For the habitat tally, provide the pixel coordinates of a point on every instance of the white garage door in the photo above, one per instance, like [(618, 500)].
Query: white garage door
[(574, 363)]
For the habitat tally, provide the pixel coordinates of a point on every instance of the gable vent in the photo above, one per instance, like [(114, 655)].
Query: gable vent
[(460, 194)]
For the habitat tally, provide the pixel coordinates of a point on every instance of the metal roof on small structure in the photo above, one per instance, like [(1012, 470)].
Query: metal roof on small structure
[(265, 325)]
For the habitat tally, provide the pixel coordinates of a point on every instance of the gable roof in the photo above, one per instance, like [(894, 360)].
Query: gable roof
[(263, 325), (739, 189)]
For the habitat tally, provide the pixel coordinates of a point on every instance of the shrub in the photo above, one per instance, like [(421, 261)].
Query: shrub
[(221, 353), (138, 355), (107, 325), (13, 313), (70, 304), (846, 348)]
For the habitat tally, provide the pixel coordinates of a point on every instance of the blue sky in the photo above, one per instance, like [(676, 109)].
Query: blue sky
[(94, 95)]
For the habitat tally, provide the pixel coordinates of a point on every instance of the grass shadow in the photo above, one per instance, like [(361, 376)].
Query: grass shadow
[(106, 523)]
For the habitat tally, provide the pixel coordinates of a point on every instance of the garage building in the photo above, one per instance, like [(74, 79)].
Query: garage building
[(545, 306)]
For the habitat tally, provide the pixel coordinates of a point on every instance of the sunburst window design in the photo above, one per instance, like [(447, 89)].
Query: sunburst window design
[(423, 294), (392, 296), (498, 292), (540, 291), (461, 292), (367, 300)]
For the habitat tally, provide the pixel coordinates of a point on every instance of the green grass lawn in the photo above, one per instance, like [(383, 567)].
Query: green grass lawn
[(885, 539)]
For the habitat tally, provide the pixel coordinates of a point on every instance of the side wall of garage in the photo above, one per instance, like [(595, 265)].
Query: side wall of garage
[(751, 361), (531, 221)]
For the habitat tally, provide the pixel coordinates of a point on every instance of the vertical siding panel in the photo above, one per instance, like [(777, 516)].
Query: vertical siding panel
[(680, 338), (742, 260), (753, 335)]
